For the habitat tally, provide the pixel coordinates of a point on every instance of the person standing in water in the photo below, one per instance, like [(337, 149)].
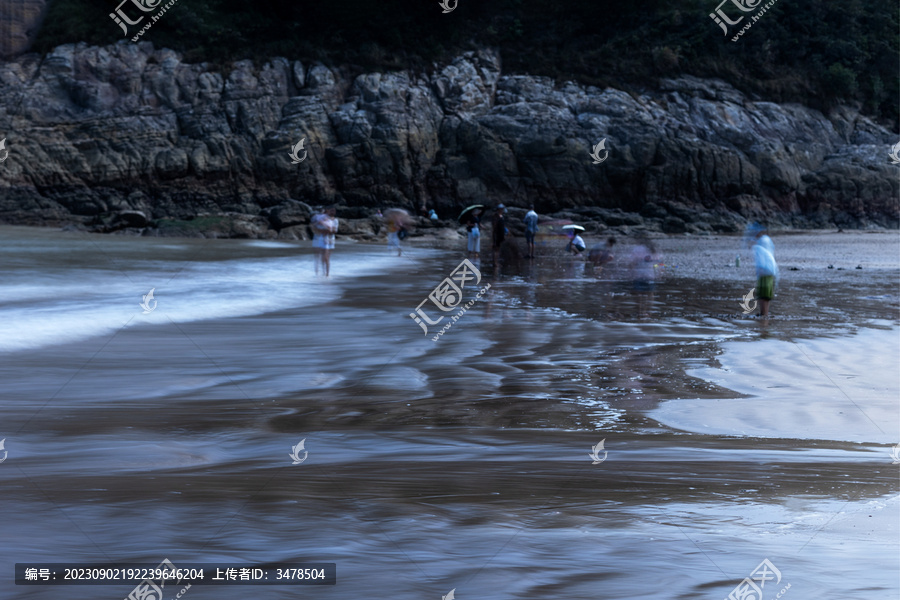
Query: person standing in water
[(644, 259), (766, 270), (398, 221), (531, 228), (498, 232), (324, 226), (473, 233)]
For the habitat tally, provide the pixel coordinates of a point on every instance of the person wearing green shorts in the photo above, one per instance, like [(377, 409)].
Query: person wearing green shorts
[(765, 287), (766, 270)]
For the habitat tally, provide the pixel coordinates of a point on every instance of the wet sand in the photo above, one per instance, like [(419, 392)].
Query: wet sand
[(848, 392), (463, 463)]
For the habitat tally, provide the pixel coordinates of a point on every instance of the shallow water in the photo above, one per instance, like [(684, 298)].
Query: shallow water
[(462, 463)]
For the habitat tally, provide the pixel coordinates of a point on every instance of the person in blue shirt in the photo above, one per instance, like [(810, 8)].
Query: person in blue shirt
[(766, 270)]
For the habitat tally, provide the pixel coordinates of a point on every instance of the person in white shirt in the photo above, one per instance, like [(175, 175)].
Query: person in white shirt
[(576, 244), (324, 226)]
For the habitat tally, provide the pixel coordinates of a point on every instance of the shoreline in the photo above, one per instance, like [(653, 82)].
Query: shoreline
[(366, 231)]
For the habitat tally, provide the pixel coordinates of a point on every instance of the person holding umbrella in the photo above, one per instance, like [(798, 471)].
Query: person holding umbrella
[(576, 245), (471, 216)]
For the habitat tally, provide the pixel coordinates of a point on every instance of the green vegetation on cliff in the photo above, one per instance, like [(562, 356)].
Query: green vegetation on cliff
[(816, 52)]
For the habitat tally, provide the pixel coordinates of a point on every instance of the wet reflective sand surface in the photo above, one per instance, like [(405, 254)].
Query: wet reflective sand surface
[(462, 463)]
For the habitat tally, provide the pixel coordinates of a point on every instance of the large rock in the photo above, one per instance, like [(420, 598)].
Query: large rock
[(288, 214), (95, 131)]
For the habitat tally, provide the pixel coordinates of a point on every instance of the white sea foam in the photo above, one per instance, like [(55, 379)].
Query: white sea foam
[(39, 308)]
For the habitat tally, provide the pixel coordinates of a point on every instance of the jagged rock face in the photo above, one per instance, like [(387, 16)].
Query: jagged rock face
[(128, 130)]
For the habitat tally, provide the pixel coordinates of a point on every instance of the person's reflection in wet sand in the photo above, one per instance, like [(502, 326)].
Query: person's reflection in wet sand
[(488, 300), (638, 373), (644, 261), (528, 273), (510, 255)]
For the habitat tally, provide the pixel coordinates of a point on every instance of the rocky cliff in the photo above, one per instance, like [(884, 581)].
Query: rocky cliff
[(19, 24), (128, 136)]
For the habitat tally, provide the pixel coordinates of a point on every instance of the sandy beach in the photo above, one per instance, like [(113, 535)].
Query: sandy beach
[(461, 463)]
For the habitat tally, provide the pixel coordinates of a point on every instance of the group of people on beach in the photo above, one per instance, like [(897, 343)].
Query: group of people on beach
[(644, 260)]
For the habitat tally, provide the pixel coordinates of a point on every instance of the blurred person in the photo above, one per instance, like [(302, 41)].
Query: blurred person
[(499, 231), (398, 223), (602, 255), (432, 215), (643, 262), (395, 225), (473, 233), (531, 228), (766, 268), (324, 226)]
